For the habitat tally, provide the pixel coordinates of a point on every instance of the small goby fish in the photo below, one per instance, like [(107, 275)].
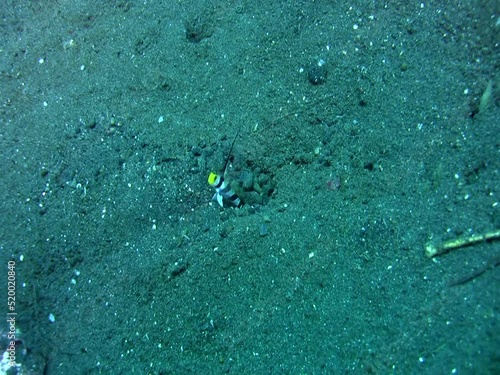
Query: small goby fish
[(223, 191)]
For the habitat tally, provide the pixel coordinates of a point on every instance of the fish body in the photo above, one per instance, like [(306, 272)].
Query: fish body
[(223, 191)]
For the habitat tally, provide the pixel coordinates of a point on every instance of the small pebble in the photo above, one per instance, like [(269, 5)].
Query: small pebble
[(263, 230)]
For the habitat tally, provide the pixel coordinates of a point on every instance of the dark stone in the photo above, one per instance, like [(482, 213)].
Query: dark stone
[(317, 73), (197, 29)]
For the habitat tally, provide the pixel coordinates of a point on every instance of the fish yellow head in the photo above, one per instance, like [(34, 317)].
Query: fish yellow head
[(212, 177)]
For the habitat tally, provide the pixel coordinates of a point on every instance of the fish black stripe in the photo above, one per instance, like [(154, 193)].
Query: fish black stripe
[(221, 181)]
